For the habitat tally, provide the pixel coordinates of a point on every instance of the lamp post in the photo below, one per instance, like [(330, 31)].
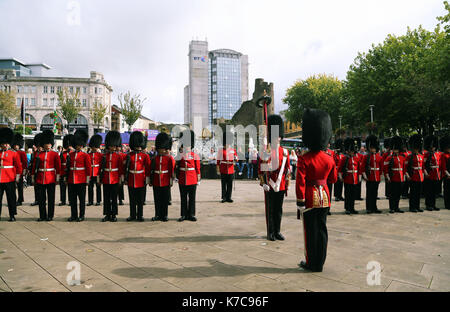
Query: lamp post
[(340, 121), (371, 112)]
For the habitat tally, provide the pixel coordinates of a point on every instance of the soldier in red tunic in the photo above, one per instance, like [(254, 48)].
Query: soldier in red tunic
[(17, 145), (188, 175), (360, 155), (339, 154), (349, 174), (414, 172), (95, 156), (394, 173), (226, 157), (315, 169), (432, 172), (386, 154), (78, 173), (37, 149), (445, 169), (111, 175), (123, 155), (137, 175), (161, 176), (274, 172), (63, 180), (10, 171), (371, 167), (405, 153), (45, 174)]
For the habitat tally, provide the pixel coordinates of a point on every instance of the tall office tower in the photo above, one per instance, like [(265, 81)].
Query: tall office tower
[(218, 83)]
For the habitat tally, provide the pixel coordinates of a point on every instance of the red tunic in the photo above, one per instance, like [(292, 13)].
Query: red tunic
[(49, 167), (375, 167), (10, 166), (139, 169), (274, 173), (189, 168), (63, 158), (113, 168), (23, 160), (79, 168), (164, 168), (414, 166), (351, 173), (445, 171), (95, 160), (314, 171), (398, 168), (432, 167), (225, 160)]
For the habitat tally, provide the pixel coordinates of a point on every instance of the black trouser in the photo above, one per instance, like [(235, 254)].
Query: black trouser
[(338, 189), (430, 187), (62, 191), (10, 190), (414, 194), (77, 191), (161, 198), (316, 237), (330, 189), (274, 210), (121, 193), (93, 182), (294, 172), (387, 189), (447, 193), (137, 197), (358, 191), (188, 205), (405, 189), (20, 190), (44, 191), (110, 192), (36, 194), (212, 171), (371, 195), (227, 185), (395, 189), (349, 194)]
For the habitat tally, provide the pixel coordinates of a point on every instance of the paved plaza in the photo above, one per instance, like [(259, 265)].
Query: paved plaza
[(225, 250)]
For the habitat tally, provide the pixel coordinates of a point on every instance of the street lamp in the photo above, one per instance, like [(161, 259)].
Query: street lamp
[(340, 121), (371, 112)]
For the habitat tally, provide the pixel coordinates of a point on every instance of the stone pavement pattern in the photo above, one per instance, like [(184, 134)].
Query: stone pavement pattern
[(225, 250)]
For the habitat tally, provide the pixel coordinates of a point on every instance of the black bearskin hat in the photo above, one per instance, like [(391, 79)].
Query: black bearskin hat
[(358, 142), (350, 145), (163, 141), (397, 143), (387, 143), (316, 127), (416, 142), (186, 133), (6, 136), (48, 137), (95, 141), (67, 141), (18, 140), (275, 120), (37, 139), (372, 142), (339, 144), (445, 143), (430, 142), (137, 140), (80, 138), (228, 138), (113, 138)]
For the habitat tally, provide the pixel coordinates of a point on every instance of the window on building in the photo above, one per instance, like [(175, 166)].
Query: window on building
[(26, 102), (59, 89), (52, 89), (19, 102), (78, 90), (84, 103), (33, 102), (33, 89), (45, 102), (95, 90), (100, 90), (19, 89), (25, 89), (84, 90), (52, 102), (71, 90), (45, 89)]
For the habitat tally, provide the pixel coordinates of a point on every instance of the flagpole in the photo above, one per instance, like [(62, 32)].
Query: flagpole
[(23, 117)]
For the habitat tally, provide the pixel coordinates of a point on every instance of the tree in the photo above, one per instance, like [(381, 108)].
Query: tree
[(131, 107), (70, 105), (8, 107), (98, 112), (321, 92)]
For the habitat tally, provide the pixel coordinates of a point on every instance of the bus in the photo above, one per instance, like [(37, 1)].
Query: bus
[(292, 143)]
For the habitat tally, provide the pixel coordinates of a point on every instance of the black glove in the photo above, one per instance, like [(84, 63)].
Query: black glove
[(301, 204)]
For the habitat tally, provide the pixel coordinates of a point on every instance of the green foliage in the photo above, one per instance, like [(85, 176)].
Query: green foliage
[(322, 92), (8, 107), (19, 129), (98, 112), (131, 107), (69, 105)]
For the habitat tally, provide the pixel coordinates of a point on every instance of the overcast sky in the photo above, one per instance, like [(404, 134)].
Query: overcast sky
[(142, 46)]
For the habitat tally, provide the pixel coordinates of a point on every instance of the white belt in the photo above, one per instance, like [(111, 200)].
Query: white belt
[(417, 168), (187, 169), (114, 169), (93, 166), (76, 168), (164, 171), (352, 171), (135, 172), (6, 167), (397, 169), (434, 167), (227, 162), (47, 169), (375, 169)]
